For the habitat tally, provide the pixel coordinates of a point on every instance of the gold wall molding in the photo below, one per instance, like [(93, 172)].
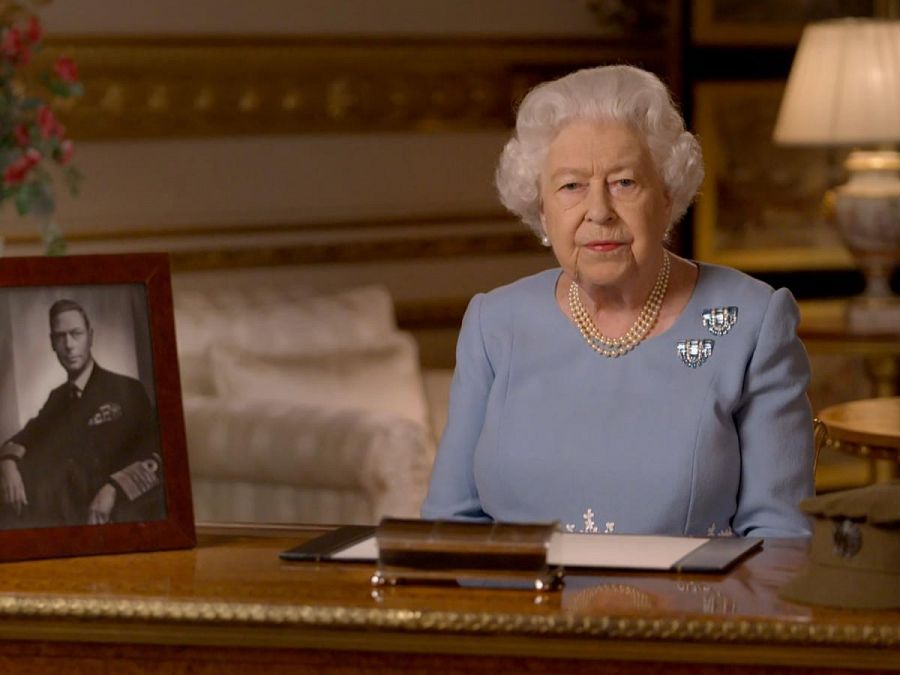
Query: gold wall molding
[(333, 253), (167, 88), (206, 248), (188, 231)]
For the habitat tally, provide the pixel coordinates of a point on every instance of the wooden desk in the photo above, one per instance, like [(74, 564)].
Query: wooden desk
[(231, 606)]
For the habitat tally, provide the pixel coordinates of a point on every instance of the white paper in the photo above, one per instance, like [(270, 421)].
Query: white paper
[(628, 551), (367, 549)]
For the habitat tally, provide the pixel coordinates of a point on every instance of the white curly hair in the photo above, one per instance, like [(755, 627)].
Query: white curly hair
[(606, 93)]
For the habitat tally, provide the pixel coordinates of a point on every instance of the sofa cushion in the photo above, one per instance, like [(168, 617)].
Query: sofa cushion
[(274, 320), (240, 501), (380, 375), (380, 455)]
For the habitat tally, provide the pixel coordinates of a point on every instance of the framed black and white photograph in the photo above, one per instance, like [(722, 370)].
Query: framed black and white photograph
[(92, 444)]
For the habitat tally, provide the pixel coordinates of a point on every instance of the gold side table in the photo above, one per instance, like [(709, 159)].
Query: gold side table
[(869, 428)]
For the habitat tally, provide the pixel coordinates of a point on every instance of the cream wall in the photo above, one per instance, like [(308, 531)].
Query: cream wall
[(142, 184), (282, 179), (351, 190)]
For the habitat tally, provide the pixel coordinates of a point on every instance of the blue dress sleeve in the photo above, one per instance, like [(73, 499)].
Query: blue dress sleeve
[(452, 493), (774, 425)]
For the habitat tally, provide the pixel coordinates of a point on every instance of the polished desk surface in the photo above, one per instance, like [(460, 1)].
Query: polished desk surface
[(233, 591)]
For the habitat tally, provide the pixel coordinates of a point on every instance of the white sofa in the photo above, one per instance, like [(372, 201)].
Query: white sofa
[(303, 407)]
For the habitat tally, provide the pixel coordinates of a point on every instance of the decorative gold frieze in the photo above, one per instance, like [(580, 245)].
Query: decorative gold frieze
[(198, 87), (224, 247), (439, 246), (625, 627)]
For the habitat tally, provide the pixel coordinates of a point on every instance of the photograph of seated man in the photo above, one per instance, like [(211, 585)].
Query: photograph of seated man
[(91, 455)]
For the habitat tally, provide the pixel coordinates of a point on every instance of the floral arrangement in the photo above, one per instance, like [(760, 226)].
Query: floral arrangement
[(32, 139)]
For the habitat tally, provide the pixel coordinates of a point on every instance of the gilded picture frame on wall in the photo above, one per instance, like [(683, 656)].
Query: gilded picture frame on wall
[(762, 207), (93, 456), (766, 22)]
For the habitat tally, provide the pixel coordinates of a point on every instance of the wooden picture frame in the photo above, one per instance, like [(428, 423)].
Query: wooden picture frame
[(123, 429), (765, 23), (762, 207)]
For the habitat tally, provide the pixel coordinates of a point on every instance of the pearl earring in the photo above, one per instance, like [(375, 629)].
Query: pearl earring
[(545, 241)]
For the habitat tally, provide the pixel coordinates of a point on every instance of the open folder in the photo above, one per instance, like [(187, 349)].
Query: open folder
[(572, 551)]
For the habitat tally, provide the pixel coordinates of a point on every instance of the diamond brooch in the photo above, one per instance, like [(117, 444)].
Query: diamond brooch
[(719, 320), (694, 353)]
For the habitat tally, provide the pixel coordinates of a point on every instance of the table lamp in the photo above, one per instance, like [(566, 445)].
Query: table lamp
[(844, 90)]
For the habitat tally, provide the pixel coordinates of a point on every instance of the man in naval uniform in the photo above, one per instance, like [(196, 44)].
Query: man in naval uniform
[(91, 454)]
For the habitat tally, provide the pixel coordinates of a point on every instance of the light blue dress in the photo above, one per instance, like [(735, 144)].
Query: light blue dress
[(542, 428)]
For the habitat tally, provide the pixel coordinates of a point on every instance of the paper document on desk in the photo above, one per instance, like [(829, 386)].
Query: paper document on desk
[(616, 551), (619, 550)]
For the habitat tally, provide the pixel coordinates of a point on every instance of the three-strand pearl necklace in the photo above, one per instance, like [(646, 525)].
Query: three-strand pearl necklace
[(613, 347)]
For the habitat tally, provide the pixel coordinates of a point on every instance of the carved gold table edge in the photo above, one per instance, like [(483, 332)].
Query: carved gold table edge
[(686, 629), (866, 450)]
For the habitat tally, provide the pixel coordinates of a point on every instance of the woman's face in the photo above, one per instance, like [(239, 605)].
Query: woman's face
[(603, 204)]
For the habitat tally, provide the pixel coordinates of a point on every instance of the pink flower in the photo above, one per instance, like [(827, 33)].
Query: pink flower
[(21, 134), (15, 173), (34, 32), (65, 151), (66, 70), (48, 124)]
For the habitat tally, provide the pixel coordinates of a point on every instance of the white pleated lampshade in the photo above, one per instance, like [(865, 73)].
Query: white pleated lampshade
[(844, 86)]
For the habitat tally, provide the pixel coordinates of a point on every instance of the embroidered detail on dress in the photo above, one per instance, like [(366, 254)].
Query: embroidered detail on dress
[(719, 320), (694, 352), (711, 531), (590, 525)]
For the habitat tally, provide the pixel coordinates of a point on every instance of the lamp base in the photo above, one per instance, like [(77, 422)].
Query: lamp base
[(868, 216)]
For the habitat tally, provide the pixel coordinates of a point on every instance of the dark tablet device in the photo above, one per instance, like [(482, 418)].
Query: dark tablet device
[(321, 548)]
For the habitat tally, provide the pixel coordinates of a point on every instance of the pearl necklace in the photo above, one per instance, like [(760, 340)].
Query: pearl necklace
[(614, 347)]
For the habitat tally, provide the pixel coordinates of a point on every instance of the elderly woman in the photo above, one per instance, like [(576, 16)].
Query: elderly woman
[(629, 390)]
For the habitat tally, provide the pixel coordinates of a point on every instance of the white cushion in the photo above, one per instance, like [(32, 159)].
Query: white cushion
[(274, 320), (236, 501), (381, 375), (382, 458)]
